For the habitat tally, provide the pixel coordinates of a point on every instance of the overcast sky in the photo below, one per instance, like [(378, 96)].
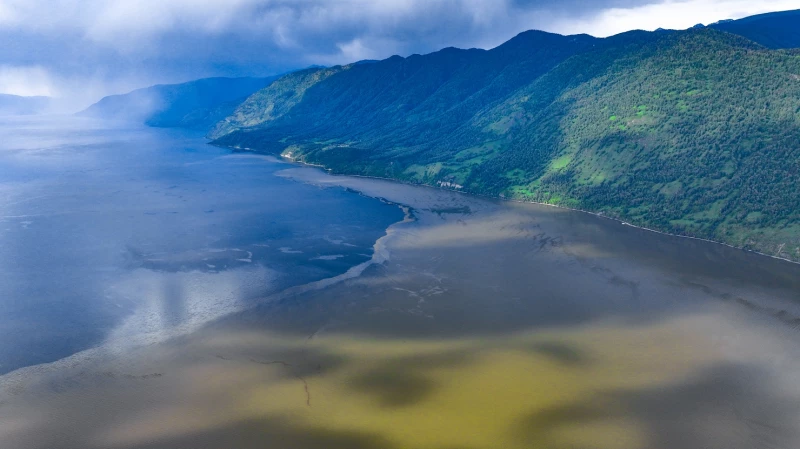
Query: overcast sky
[(79, 50)]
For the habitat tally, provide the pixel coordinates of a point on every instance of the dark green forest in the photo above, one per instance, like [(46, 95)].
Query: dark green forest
[(692, 132)]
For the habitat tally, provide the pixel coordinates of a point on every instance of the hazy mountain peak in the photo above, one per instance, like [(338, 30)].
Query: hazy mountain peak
[(21, 105), (195, 104)]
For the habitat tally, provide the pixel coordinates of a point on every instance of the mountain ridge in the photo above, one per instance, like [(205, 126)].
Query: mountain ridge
[(774, 30), (401, 78), (689, 132)]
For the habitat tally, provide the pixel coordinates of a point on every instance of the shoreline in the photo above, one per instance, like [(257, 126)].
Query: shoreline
[(13, 381), (473, 295), (478, 195)]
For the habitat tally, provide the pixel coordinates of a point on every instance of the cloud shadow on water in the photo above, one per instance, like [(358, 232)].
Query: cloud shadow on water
[(269, 433), (729, 406)]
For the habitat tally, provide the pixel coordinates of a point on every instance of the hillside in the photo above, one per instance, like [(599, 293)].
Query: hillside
[(693, 132), (196, 104), (391, 98), (773, 30), (17, 105), (273, 101)]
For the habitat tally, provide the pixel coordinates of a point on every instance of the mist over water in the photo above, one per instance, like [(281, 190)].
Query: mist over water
[(128, 235)]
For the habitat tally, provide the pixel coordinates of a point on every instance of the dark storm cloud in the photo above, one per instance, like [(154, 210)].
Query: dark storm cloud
[(82, 49)]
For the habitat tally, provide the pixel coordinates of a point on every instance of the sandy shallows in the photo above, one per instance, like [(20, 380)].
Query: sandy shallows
[(485, 325)]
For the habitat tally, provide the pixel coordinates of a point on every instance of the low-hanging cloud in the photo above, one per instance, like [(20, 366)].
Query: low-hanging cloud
[(86, 48), (26, 81)]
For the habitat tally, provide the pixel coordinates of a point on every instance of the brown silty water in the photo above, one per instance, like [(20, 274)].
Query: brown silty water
[(484, 325)]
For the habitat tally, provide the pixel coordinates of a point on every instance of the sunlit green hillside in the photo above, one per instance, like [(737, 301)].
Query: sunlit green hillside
[(694, 132)]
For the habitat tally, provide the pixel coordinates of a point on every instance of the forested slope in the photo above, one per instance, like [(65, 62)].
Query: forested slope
[(694, 132), (697, 133), (403, 100)]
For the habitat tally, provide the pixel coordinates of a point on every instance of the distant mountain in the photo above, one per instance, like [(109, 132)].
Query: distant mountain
[(17, 105), (196, 104), (773, 30), (692, 132)]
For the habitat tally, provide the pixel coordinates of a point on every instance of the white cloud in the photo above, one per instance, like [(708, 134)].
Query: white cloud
[(120, 22), (77, 48), (308, 26), (25, 81), (6, 14), (355, 50), (671, 14)]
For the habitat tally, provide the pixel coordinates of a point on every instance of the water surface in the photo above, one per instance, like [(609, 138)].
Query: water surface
[(131, 234), (482, 324)]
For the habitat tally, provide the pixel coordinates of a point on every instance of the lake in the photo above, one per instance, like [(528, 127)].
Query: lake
[(138, 234), (195, 297)]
